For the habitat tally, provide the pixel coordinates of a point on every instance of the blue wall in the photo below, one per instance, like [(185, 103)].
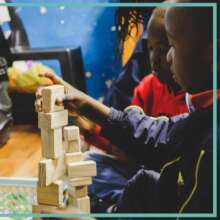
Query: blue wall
[(91, 28)]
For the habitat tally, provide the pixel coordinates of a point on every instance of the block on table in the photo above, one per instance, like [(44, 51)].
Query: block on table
[(83, 204), (78, 191), (41, 208), (54, 194)]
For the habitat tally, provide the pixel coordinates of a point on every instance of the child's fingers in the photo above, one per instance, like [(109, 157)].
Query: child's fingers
[(38, 93), (68, 102), (64, 101), (51, 76), (38, 101), (48, 75), (46, 82), (59, 101), (38, 105)]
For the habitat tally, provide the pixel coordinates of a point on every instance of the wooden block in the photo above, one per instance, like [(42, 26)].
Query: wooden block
[(78, 192), (83, 204), (49, 96), (81, 169), (50, 170), (52, 120), (51, 140), (73, 157), (71, 133), (81, 181), (72, 146), (38, 208), (81, 191), (55, 194)]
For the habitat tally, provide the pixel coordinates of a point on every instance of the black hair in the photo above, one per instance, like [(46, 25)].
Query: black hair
[(129, 17)]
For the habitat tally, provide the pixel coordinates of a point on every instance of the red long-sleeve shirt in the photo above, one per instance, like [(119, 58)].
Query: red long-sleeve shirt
[(156, 99)]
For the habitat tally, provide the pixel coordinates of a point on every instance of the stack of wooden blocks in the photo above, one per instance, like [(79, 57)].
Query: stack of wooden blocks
[(63, 177)]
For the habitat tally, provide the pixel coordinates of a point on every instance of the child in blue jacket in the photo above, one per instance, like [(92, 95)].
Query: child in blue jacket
[(181, 145)]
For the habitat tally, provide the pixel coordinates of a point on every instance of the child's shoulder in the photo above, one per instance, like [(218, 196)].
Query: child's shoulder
[(151, 82)]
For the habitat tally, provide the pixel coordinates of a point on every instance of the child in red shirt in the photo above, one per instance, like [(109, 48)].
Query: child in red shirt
[(157, 94), (157, 99)]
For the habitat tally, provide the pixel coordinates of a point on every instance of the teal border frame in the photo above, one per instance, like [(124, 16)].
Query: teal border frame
[(146, 215)]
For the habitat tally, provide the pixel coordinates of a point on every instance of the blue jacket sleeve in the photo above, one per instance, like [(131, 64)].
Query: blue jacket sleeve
[(142, 137)]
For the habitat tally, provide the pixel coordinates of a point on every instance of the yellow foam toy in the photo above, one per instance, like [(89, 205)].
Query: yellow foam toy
[(28, 81)]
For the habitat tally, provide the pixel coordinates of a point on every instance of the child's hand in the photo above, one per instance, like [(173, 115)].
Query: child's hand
[(77, 102), (26, 82), (56, 80)]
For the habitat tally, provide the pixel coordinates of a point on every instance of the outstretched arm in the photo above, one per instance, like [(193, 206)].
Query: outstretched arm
[(140, 136), (143, 137), (77, 102)]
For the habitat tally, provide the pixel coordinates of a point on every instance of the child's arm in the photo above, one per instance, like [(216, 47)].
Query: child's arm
[(81, 104), (77, 102), (140, 136)]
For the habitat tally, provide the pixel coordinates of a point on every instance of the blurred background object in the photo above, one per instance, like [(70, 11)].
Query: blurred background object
[(18, 37), (91, 28), (33, 31), (5, 101)]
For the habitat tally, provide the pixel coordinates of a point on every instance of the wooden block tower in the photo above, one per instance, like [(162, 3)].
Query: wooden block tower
[(62, 175)]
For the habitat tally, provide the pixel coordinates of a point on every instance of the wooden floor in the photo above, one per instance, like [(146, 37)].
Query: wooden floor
[(20, 156)]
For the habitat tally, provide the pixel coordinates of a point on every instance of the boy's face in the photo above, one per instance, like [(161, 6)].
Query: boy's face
[(158, 47), (189, 54)]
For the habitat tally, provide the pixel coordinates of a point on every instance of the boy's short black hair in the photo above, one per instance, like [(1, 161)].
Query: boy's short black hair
[(131, 15), (200, 22)]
